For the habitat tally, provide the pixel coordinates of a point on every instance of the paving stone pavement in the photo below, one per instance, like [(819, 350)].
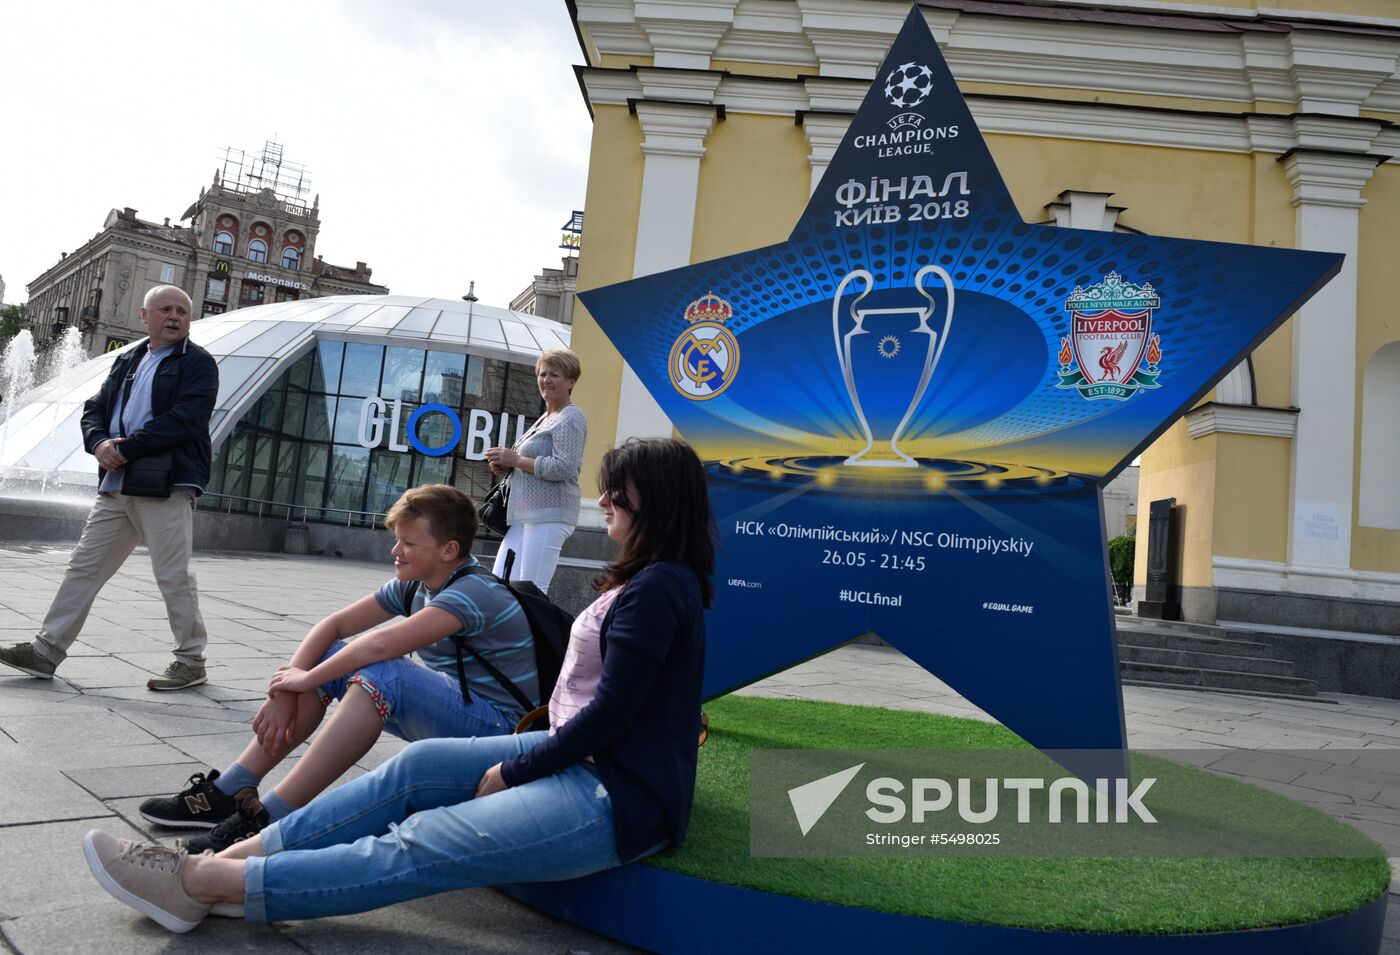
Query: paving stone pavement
[(83, 750)]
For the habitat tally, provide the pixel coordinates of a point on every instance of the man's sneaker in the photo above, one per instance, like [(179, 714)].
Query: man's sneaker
[(249, 820), (21, 656), (201, 806), (177, 676), (145, 877)]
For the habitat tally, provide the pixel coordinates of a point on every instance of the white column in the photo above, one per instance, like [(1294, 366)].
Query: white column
[(824, 133), (850, 39), (673, 146), (1327, 196), (683, 34), (1075, 209)]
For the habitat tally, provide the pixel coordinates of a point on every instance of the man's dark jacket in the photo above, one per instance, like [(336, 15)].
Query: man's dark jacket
[(182, 402)]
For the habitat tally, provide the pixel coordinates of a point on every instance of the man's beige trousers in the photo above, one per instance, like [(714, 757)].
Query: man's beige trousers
[(115, 525)]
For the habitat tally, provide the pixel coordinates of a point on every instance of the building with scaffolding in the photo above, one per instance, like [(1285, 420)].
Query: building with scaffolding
[(249, 238)]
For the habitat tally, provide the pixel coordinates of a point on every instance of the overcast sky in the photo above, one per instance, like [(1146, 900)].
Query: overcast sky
[(447, 139)]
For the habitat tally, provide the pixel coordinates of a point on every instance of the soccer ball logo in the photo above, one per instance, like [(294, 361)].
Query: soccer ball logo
[(908, 85)]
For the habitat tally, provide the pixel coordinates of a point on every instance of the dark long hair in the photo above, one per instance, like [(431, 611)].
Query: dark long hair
[(673, 520)]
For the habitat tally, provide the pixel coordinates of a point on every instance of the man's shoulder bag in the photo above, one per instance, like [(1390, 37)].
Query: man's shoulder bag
[(150, 476)]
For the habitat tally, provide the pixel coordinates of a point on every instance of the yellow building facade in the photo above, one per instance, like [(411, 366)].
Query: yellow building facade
[(1271, 122)]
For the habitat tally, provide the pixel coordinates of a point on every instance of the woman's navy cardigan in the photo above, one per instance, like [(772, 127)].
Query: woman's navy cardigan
[(641, 725)]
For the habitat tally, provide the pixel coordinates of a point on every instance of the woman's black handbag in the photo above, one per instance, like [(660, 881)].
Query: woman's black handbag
[(493, 509), (151, 476)]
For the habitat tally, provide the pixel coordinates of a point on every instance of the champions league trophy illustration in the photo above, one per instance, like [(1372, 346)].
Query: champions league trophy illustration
[(891, 351)]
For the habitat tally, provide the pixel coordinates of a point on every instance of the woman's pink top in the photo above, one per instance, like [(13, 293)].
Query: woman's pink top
[(583, 663)]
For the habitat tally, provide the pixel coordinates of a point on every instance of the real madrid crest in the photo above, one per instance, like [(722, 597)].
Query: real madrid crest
[(705, 358)]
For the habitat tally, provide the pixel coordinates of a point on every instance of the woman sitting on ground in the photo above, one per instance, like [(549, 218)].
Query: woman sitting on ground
[(611, 781)]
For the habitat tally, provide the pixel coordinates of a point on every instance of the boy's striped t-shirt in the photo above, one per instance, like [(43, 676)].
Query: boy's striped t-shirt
[(493, 624)]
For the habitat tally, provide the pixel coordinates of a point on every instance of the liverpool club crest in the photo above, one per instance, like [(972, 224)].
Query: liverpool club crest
[(705, 358), (1110, 351)]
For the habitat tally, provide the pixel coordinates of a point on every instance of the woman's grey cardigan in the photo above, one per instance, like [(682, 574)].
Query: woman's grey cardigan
[(551, 494)]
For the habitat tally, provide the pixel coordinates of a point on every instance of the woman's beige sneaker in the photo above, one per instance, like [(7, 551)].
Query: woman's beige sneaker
[(145, 877)]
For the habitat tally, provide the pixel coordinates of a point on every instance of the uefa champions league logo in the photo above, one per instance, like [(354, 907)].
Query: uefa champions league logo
[(908, 85)]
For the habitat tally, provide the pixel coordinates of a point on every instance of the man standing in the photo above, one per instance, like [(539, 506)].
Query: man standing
[(152, 410)]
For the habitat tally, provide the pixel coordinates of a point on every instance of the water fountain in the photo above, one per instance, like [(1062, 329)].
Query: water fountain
[(31, 508), (23, 375), (66, 355), (16, 378), (17, 370)]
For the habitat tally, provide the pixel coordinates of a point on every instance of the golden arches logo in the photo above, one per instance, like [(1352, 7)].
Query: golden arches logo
[(704, 361)]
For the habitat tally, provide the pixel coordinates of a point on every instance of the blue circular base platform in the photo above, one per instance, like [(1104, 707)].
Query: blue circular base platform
[(676, 915)]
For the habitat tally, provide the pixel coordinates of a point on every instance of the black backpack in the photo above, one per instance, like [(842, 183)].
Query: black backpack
[(549, 626)]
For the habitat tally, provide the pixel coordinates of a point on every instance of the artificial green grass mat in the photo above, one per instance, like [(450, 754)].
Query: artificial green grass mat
[(1123, 895)]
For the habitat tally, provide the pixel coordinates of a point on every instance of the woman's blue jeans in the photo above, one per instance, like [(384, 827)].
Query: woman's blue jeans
[(414, 827)]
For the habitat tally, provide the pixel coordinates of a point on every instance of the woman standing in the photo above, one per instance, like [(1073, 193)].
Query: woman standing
[(611, 781), (545, 462)]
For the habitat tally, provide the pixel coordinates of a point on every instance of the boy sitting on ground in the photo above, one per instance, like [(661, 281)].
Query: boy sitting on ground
[(377, 685)]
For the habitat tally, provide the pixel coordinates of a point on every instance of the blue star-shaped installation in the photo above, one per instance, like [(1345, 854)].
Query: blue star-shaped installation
[(909, 408)]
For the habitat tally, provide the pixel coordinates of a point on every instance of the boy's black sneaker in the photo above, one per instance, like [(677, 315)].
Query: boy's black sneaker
[(249, 820), (201, 806)]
